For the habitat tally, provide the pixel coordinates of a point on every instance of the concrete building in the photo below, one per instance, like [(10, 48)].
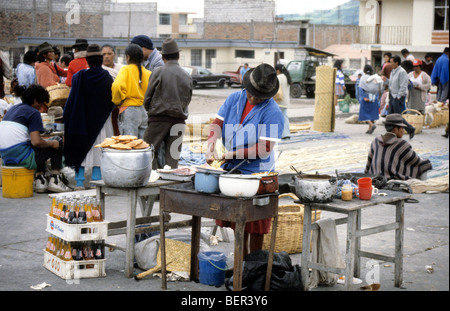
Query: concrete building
[(421, 26)]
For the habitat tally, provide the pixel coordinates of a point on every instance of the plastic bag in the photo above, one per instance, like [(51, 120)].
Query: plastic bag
[(285, 276)]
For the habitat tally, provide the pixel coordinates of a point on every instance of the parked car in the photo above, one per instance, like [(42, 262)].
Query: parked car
[(203, 77), (235, 76)]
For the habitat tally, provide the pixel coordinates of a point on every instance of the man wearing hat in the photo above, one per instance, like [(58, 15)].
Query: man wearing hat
[(87, 116), (167, 99), (152, 58), (250, 123), (79, 61), (393, 157)]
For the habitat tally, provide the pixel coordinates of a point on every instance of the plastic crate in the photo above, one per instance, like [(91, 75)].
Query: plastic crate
[(77, 232), (72, 270)]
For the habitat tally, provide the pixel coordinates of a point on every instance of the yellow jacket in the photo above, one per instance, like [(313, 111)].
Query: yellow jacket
[(126, 90)]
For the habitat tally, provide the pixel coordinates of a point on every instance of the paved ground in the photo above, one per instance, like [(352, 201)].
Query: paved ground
[(23, 222)]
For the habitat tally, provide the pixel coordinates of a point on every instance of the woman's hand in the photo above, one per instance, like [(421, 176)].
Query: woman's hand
[(211, 154)]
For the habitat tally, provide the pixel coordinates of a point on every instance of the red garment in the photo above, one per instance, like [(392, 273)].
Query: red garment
[(247, 109), (76, 65), (46, 74)]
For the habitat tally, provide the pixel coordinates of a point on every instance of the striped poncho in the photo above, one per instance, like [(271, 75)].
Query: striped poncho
[(394, 158)]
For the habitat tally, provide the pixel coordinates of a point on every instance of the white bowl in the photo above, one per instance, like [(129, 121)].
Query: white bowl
[(238, 185)]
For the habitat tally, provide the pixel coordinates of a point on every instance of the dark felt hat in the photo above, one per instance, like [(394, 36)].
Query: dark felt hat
[(395, 119), (262, 81), (80, 43), (45, 47), (169, 46), (93, 50), (143, 41)]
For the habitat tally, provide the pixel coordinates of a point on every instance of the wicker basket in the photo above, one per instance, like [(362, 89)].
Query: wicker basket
[(415, 120), (58, 94), (444, 116), (437, 120), (290, 227)]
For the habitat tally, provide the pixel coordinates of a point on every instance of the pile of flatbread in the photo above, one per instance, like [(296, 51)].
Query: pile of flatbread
[(123, 142)]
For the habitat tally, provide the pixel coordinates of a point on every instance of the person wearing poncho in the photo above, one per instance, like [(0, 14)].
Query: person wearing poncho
[(86, 112), (440, 76), (392, 157)]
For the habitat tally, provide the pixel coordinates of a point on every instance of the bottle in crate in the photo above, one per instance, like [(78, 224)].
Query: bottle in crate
[(82, 214), (88, 209)]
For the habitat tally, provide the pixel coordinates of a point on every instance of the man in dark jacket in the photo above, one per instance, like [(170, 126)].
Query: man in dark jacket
[(166, 100)]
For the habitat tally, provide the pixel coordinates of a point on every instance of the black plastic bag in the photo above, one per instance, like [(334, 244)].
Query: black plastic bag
[(285, 276)]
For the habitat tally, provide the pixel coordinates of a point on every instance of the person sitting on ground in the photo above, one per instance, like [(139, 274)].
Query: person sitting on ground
[(21, 143), (393, 157)]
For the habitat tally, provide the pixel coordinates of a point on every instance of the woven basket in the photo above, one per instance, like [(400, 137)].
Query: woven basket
[(290, 227), (437, 120), (58, 94), (415, 120), (445, 116)]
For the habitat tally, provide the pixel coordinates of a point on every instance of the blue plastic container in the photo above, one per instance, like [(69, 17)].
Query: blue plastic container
[(212, 268)]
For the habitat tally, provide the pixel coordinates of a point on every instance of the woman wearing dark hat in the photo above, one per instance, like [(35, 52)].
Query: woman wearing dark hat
[(79, 62), (249, 123), (369, 90), (47, 72), (393, 157)]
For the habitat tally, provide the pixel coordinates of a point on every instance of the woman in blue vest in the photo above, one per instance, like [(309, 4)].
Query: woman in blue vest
[(250, 123)]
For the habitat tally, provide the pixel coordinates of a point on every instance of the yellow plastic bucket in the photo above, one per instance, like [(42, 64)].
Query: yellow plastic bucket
[(17, 182)]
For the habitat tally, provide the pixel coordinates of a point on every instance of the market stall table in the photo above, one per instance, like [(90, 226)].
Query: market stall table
[(183, 199), (146, 196), (353, 252)]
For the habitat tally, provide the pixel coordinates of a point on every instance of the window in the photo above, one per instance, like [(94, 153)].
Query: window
[(183, 19), (196, 57), (244, 54), (210, 54), (302, 39), (164, 19), (441, 15)]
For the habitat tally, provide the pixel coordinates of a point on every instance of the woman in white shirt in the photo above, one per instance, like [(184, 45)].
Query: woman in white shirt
[(421, 82)]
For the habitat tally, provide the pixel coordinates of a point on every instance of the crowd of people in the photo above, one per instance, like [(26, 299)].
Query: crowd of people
[(105, 99), (148, 97)]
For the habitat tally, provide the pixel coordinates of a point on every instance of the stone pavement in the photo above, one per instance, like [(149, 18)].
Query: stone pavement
[(426, 236)]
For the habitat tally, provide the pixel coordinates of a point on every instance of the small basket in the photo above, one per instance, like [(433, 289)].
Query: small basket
[(415, 120), (437, 119), (289, 236), (444, 116), (58, 94)]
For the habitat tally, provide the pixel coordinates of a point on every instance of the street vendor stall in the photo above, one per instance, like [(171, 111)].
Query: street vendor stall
[(184, 199), (353, 252)]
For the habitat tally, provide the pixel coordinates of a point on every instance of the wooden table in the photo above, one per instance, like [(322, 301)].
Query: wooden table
[(353, 252), (183, 199), (146, 197)]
